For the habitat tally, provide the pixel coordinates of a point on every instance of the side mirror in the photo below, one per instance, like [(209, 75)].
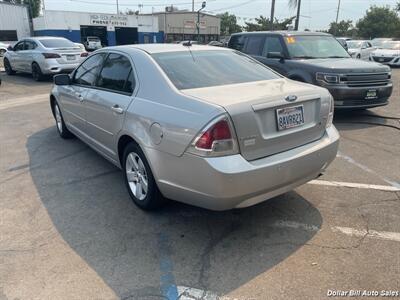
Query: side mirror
[(10, 48), (277, 55), (62, 79)]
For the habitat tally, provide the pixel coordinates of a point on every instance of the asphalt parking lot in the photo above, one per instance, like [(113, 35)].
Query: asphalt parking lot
[(70, 231)]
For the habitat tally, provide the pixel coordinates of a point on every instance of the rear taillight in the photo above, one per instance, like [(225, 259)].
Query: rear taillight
[(216, 139), (84, 54), (51, 55)]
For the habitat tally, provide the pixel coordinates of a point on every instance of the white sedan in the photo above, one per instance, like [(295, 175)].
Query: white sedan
[(360, 49), (388, 53)]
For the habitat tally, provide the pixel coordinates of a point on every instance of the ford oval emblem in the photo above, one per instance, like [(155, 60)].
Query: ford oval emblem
[(291, 98)]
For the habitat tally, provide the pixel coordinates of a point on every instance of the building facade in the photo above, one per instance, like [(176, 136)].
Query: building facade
[(14, 22), (182, 25), (112, 29)]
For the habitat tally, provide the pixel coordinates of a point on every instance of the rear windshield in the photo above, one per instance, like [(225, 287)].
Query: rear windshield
[(93, 39), (198, 69), (57, 43)]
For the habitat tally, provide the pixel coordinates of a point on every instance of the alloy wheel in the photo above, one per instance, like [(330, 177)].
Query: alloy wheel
[(136, 175), (58, 118)]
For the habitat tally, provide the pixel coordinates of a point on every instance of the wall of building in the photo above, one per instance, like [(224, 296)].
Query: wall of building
[(14, 18), (68, 25), (183, 25)]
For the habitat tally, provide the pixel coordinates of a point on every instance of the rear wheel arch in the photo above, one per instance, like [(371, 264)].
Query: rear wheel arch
[(124, 141)]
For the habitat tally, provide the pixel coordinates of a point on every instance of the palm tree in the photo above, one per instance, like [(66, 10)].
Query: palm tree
[(293, 4)]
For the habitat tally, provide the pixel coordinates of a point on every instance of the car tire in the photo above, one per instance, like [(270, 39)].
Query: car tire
[(8, 68), (60, 124), (358, 56), (139, 179), (37, 72)]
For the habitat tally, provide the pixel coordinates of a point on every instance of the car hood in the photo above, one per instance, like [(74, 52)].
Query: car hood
[(347, 65), (386, 52)]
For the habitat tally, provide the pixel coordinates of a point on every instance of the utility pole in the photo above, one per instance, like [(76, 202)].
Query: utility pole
[(272, 14), (117, 8), (192, 5), (203, 5), (296, 25), (337, 12)]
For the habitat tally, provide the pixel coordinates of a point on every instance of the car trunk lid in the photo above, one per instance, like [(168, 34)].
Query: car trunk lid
[(253, 108), (68, 55)]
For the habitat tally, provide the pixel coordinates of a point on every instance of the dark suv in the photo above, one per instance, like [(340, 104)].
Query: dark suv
[(319, 59)]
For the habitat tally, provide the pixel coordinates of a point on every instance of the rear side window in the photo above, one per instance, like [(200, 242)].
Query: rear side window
[(237, 42), (116, 73), (272, 44), (30, 45), (86, 74), (19, 46), (255, 44)]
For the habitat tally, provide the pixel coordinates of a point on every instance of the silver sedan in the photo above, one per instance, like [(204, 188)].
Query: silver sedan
[(42, 56), (203, 125)]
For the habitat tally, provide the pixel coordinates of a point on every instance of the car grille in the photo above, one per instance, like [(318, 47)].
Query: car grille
[(381, 59), (366, 80)]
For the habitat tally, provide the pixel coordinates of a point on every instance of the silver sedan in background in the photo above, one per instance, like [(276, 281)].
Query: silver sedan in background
[(42, 56), (203, 125)]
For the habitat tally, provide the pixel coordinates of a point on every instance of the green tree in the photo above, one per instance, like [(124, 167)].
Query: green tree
[(343, 28), (379, 22), (229, 23), (263, 24), (33, 5)]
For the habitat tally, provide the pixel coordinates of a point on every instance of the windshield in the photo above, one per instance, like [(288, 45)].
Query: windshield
[(354, 44), (57, 43), (198, 69), (391, 45), (314, 46)]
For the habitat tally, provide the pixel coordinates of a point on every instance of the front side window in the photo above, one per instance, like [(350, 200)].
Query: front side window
[(206, 68), (272, 44), (314, 46), (86, 73), (19, 46), (115, 73), (254, 44), (29, 45)]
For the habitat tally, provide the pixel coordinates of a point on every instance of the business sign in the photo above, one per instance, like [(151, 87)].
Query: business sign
[(109, 20), (190, 24)]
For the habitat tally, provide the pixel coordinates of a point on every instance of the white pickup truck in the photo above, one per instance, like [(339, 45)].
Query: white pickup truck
[(92, 43)]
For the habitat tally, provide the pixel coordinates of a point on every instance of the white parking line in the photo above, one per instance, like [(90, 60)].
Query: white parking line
[(23, 101), (383, 235), (356, 185), (365, 168)]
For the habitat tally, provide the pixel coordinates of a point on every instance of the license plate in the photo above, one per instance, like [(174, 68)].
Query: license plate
[(290, 117), (371, 94), (70, 57)]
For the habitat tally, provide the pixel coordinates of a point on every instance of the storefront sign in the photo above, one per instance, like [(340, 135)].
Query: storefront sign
[(190, 24), (108, 20)]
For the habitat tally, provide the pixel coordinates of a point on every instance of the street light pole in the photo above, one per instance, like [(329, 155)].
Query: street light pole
[(203, 5), (296, 25), (117, 8), (337, 12), (272, 14)]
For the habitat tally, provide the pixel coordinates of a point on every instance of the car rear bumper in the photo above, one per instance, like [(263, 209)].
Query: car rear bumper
[(355, 97), (51, 66), (228, 182)]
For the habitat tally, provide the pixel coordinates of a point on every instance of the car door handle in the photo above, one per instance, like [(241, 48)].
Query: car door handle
[(117, 109)]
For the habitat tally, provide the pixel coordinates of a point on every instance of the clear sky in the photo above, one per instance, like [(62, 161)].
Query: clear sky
[(317, 14)]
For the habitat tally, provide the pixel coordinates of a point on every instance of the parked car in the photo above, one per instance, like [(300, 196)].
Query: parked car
[(388, 53), (216, 44), (92, 43), (43, 56), (360, 49), (319, 59), (207, 126), (377, 42), (3, 48)]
